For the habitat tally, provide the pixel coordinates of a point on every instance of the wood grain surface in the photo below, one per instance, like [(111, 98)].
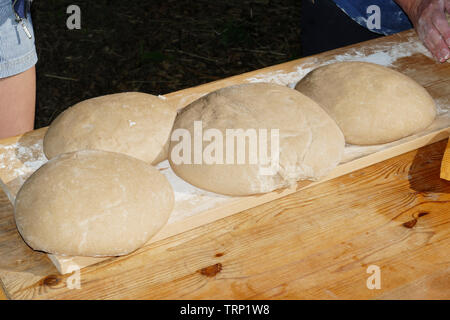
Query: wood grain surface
[(2, 295), (232, 206), (313, 244)]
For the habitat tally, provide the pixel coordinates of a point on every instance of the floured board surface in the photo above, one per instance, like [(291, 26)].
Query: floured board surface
[(21, 156)]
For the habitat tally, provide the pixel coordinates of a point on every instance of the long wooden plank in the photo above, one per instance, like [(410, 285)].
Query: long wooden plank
[(314, 244)]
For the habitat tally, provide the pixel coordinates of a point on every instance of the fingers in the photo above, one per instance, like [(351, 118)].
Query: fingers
[(436, 44), (441, 24), (433, 29)]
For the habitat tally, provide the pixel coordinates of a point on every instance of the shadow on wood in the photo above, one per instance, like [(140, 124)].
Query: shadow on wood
[(424, 171)]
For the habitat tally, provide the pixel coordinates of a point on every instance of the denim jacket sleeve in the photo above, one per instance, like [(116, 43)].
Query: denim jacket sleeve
[(392, 18)]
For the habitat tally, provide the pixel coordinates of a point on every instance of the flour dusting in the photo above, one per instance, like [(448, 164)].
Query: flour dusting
[(189, 200), (385, 55), (17, 163), (31, 158), (442, 106)]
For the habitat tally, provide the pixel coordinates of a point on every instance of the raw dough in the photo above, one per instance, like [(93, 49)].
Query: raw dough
[(92, 203), (311, 143), (372, 104), (134, 123)]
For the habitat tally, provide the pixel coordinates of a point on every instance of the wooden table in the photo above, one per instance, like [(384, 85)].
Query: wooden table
[(314, 244)]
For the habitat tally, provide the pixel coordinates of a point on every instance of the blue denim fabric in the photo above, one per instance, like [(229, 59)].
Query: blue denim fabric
[(21, 7), (393, 18), (17, 51)]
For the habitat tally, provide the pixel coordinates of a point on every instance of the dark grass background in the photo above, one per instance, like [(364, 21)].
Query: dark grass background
[(155, 46)]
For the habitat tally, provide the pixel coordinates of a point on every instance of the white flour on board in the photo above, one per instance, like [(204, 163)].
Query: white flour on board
[(384, 55), (189, 200), (32, 157), (19, 162), (442, 106)]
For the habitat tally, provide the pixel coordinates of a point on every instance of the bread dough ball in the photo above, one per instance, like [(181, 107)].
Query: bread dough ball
[(310, 142), (372, 104), (134, 123), (92, 203)]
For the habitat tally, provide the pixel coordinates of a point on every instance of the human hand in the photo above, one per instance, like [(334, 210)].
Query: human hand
[(430, 22)]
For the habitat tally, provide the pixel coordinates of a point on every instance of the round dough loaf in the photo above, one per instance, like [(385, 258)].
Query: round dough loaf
[(310, 142), (134, 123), (92, 203), (371, 104)]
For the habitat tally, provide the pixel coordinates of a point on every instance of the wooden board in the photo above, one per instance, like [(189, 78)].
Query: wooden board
[(314, 244), (232, 205), (410, 59)]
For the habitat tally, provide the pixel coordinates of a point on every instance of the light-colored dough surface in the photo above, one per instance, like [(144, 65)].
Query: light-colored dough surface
[(311, 144), (371, 104), (92, 203), (134, 123)]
